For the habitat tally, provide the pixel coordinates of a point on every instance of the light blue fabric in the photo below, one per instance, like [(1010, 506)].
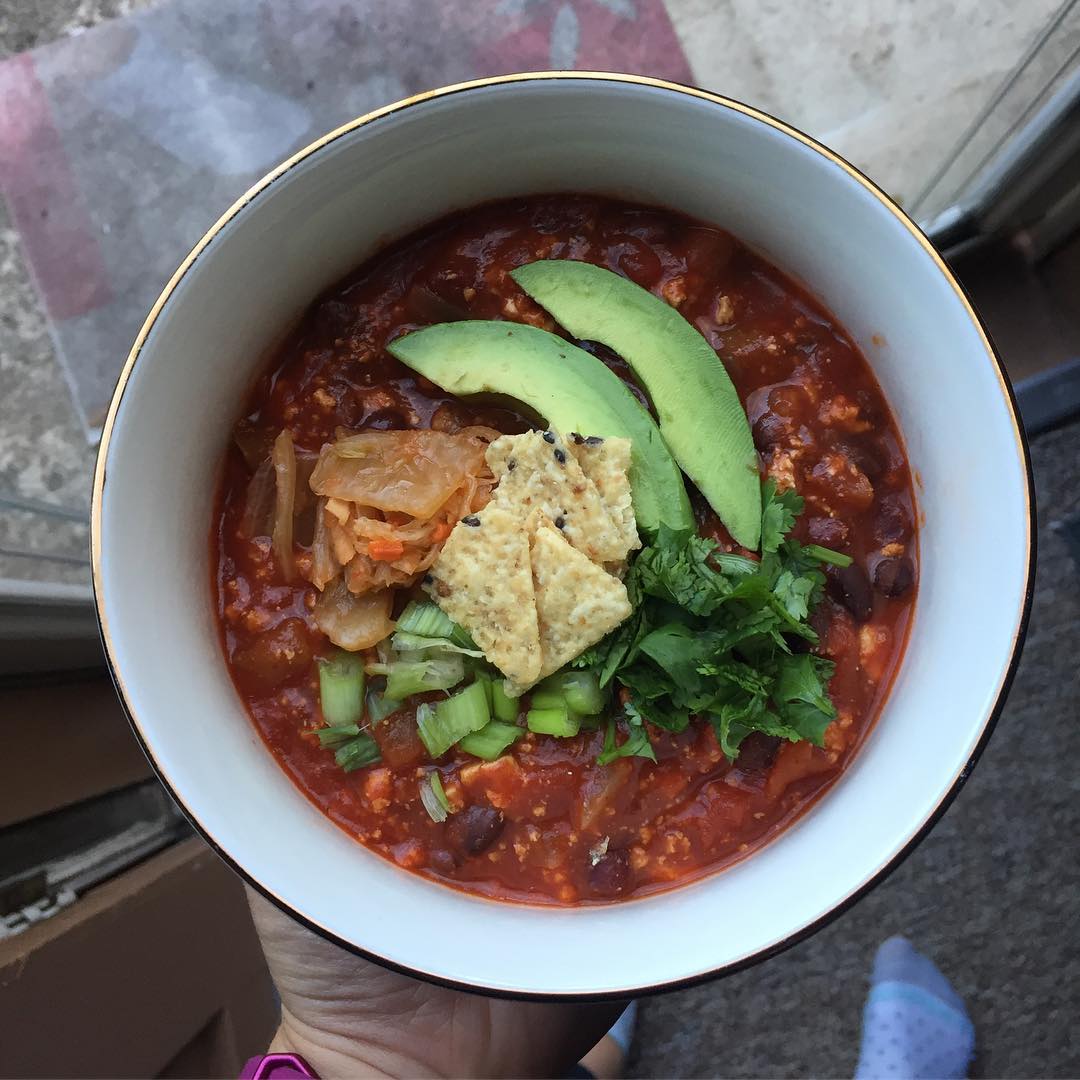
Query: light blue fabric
[(915, 1026)]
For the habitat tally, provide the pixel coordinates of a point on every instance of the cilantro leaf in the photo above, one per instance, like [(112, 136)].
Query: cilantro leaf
[(801, 696), (711, 637), (778, 514), (636, 745), (794, 593), (676, 569)]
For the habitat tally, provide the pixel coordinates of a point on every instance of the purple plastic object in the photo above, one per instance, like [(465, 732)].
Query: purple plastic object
[(277, 1067)]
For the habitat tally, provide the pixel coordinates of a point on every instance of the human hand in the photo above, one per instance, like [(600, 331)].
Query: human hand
[(348, 1016)]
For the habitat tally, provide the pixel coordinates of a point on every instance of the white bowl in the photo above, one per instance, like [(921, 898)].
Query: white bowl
[(326, 210)]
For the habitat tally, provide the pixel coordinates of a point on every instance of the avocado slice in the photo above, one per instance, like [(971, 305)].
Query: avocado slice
[(700, 415), (572, 390)]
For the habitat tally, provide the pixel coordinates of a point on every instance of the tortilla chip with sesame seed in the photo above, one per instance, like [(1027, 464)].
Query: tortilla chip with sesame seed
[(537, 471), (577, 602), (482, 579), (606, 462)]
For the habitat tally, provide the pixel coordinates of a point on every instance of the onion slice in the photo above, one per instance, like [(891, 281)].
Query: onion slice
[(353, 622), (284, 458)]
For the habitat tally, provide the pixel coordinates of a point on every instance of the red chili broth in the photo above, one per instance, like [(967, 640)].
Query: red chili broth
[(572, 831)]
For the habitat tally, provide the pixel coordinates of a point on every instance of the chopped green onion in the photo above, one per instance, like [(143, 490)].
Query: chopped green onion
[(430, 621), (504, 707), (385, 652), (559, 722), (826, 555), (360, 751), (433, 796), (547, 699), (435, 780), (380, 706), (486, 681), (405, 677), (442, 725), (386, 656), (341, 688), (329, 737), (407, 641), (579, 691), (491, 740)]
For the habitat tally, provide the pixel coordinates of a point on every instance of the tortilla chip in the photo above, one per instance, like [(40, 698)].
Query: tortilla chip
[(537, 471), (483, 581), (606, 462), (577, 602)]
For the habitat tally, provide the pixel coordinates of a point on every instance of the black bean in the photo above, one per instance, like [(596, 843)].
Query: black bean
[(578, 440), (892, 522), (428, 579), (772, 429), (549, 436), (757, 752), (334, 317), (593, 440), (472, 520), (386, 420), (851, 587), (828, 532), (560, 522), (894, 576), (475, 829), (610, 874), (560, 456), (865, 459), (511, 465)]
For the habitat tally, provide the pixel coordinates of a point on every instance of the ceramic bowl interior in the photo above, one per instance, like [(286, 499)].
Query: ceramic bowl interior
[(333, 206)]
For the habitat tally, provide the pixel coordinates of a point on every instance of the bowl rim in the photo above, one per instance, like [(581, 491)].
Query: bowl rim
[(989, 720)]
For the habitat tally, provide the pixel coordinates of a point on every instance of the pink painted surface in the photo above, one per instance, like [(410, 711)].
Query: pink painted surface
[(44, 198)]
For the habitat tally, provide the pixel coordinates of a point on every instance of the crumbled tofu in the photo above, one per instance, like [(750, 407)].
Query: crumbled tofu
[(725, 310), (496, 781), (874, 645), (483, 581), (839, 731), (378, 787), (536, 471), (842, 412), (577, 602), (523, 310), (892, 550), (781, 468), (674, 291)]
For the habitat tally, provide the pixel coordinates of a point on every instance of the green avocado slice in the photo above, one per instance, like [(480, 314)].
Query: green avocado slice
[(572, 390), (700, 415)]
